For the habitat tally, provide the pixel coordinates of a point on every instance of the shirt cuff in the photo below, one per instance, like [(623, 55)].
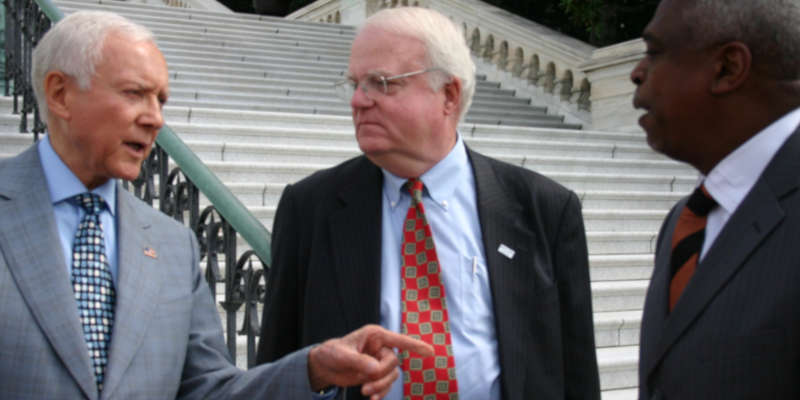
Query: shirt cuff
[(326, 394)]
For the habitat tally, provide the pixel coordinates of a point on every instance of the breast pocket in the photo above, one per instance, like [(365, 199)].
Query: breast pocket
[(476, 293)]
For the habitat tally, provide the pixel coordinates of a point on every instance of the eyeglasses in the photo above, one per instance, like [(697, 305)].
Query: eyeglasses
[(372, 84)]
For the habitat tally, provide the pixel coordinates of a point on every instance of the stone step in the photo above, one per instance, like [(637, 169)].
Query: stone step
[(617, 328), (336, 70), (283, 126), (542, 155), (240, 171), (618, 295), (616, 267), (278, 55), (260, 50), (620, 394), (225, 97), (615, 199), (618, 367), (621, 243), (228, 22), (626, 221)]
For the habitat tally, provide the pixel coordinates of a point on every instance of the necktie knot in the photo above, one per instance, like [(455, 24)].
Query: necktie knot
[(91, 203), (700, 202), (415, 187)]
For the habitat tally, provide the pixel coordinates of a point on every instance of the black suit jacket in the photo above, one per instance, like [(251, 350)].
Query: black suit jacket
[(735, 332), (325, 277)]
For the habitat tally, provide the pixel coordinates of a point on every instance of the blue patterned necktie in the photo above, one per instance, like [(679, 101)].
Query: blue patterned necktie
[(92, 283)]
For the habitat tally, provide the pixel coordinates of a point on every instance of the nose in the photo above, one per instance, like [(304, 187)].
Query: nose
[(152, 117), (360, 98), (639, 73)]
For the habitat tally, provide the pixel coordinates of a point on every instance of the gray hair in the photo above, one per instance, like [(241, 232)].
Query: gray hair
[(445, 46), (74, 46), (769, 28)]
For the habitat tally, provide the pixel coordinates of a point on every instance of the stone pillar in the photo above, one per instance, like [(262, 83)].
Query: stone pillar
[(354, 12), (609, 72)]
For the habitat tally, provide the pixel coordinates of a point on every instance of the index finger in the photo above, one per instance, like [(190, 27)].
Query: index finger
[(403, 342)]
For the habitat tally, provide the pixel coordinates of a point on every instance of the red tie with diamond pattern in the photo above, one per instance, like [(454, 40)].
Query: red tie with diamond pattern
[(424, 309), (687, 240)]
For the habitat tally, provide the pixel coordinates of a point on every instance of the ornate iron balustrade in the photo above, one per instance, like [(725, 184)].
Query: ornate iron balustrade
[(176, 192)]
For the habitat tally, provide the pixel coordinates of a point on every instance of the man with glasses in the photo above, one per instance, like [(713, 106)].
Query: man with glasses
[(484, 260)]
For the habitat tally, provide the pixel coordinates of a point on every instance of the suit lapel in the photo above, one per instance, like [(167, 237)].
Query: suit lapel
[(355, 230), (500, 218), (657, 299), (748, 227), (41, 276), (138, 287)]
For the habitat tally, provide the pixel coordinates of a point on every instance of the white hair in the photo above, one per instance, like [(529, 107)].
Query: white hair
[(74, 46), (769, 28), (445, 46)]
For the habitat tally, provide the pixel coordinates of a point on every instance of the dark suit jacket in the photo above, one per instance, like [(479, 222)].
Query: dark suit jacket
[(167, 339), (325, 277), (735, 332)]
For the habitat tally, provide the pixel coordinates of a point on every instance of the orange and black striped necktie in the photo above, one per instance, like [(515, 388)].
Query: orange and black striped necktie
[(687, 240)]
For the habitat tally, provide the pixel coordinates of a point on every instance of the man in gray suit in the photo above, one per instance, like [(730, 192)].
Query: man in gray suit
[(720, 84), (70, 277)]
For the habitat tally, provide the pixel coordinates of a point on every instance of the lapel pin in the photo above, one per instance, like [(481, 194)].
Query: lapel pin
[(150, 252), (506, 251)]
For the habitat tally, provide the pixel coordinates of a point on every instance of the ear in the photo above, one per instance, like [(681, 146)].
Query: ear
[(733, 62), (452, 96), (55, 92)]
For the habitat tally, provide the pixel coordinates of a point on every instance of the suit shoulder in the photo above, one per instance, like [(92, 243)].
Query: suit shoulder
[(520, 180), (148, 213), (329, 180)]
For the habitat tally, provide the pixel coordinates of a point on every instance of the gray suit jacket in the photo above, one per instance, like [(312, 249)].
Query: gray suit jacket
[(167, 341), (735, 332)]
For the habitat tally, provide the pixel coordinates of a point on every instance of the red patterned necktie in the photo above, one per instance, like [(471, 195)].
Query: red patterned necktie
[(687, 240), (424, 309)]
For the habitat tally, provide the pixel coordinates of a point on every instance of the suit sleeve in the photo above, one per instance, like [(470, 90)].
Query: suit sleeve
[(575, 298), (208, 372), (280, 320)]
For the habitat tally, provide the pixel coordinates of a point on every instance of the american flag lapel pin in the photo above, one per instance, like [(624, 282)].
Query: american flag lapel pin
[(150, 252)]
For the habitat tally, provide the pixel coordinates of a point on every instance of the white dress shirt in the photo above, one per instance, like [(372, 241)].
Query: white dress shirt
[(731, 179), (452, 212)]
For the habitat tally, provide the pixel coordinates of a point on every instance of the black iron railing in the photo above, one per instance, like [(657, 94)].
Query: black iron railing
[(175, 191)]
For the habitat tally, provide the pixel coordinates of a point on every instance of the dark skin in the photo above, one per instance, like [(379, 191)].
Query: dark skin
[(703, 101)]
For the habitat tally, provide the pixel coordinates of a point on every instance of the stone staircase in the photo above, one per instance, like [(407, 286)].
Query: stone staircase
[(253, 97)]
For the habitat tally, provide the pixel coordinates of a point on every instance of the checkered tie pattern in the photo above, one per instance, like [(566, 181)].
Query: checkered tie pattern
[(92, 283), (687, 241), (424, 309)]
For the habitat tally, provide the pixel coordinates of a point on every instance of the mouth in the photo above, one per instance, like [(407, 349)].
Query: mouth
[(639, 104), (138, 148)]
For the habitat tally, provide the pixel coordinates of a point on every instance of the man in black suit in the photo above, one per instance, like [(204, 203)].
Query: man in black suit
[(511, 243), (720, 84)]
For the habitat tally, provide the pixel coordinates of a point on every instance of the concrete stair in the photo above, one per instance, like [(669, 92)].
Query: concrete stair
[(253, 97)]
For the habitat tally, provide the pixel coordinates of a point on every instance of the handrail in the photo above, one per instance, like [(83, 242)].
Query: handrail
[(228, 205)]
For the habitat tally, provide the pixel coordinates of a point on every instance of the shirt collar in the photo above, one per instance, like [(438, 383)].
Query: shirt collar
[(62, 182), (733, 177), (440, 181)]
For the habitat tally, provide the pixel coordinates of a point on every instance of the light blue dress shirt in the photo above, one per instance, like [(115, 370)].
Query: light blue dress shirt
[(63, 185), (452, 212)]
